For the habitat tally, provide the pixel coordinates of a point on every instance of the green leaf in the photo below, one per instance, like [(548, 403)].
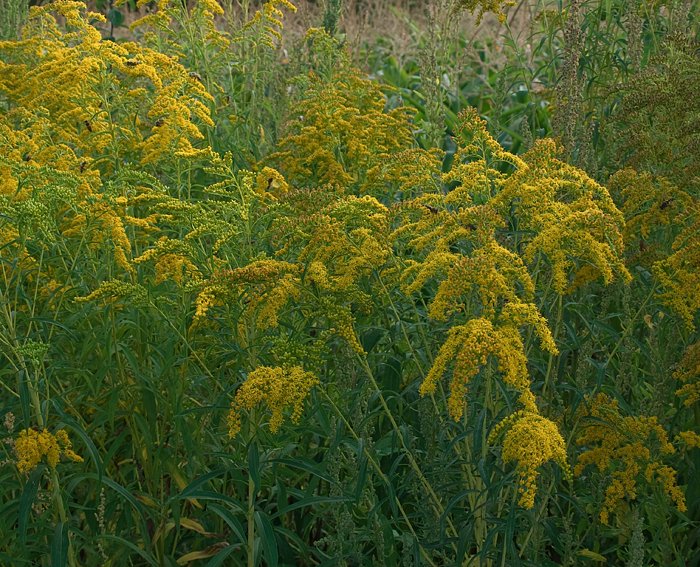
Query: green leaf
[(220, 557), (59, 546), (147, 556), (267, 538), (26, 501), (254, 464), (304, 464), (310, 501), (370, 338), (115, 17), (80, 432), (124, 493)]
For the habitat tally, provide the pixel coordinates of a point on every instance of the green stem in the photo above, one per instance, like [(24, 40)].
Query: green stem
[(557, 327), (437, 503), (250, 514), (627, 329), (251, 521), (58, 501), (380, 473), (538, 519)]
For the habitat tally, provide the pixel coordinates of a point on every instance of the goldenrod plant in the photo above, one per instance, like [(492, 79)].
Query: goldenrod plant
[(249, 316)]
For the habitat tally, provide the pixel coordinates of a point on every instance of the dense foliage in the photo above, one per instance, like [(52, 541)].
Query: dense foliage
[(258, 308)]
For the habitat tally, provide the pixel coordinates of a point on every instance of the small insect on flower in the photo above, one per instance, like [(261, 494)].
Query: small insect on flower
[(88, 125), (196, 76), (132, 62), (159, 122)]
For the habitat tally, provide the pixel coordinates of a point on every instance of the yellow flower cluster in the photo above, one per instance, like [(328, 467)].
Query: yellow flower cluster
[(678, 274), (342, 246), (412, 171), (79, 111), (172, 262), (492, 274), (629, 448), (341, 320), (575, 223), (476, 160), (11, 247), (167, 11), (270, 182), (495, 6), (571, 220), (342, 135), (690, 438), (267, 22), (113, 290), (31, 446), (663, 230), (562, 217), (103, 225), (653, 208), (61, 77), (530, 441), (263, 286), (688, 372), (468, 348), (279, 388)]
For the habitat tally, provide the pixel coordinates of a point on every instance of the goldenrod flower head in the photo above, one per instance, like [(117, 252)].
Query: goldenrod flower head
[(266, 25), (492, 274), (531, 440), (690, 438), (279, 388), (625, 447), (495, 6), (580, 238), (112, 291), (267, 286), (468, 348), (653, 208), (271, 182), (342, 322), (412, 171), (575, 223), (171, 259), (342, 135), (688, 372), (31, 446), (61, 75), (349, 237), (678, 274), (175, 267)]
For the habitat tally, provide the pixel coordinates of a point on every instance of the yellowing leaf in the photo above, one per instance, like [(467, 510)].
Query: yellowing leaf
[(193, 525), (592, 555), (210, 551), (147, 500)]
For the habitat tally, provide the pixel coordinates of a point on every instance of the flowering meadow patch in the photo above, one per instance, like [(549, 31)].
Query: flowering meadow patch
[(250, 315)]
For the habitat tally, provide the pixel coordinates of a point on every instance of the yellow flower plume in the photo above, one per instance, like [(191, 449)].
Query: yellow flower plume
[(279, 388), (32, 446)]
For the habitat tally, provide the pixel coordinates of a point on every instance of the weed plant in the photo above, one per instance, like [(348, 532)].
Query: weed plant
[(254, 313)]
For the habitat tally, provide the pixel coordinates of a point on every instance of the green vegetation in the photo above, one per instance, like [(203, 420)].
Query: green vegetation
[(278, 296)]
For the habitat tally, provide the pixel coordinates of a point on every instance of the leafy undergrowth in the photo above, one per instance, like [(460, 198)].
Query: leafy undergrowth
[(248, 319)]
